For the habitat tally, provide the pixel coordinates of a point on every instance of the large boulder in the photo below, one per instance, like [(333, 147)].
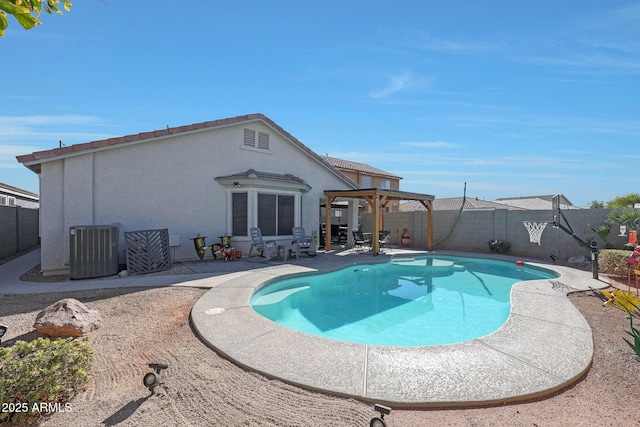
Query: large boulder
[(67, 318)]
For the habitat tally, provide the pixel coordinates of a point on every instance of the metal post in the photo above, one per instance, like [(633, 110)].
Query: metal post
[(594, 259)]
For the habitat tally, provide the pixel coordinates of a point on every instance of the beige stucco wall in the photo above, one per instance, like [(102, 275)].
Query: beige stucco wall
[(167, 183)]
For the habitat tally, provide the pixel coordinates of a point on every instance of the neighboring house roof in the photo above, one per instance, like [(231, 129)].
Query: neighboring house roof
[(34, 160), (547, 197), (15, 191), (454, 203), (357, 167), (535, 202)]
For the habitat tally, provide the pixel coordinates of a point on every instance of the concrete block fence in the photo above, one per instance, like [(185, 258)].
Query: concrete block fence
[(477, 227), (19, 229)]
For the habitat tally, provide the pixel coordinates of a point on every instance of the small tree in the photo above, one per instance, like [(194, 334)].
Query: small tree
[(27, 12), (626, 201)]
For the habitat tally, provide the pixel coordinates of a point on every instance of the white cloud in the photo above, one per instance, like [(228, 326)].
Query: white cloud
[(431, 144), (396, 84), (426, 41), (40, 128)]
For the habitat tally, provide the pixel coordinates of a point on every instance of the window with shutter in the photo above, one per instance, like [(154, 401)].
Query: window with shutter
[(263, 140), (249, 137)]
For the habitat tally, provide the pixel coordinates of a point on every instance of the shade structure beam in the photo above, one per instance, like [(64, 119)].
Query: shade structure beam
[(378, 199)]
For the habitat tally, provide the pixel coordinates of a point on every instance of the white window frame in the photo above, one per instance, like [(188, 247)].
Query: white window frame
[(252, 208)]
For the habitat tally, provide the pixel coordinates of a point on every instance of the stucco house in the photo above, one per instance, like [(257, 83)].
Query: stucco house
[(214, 178), (14, 196)]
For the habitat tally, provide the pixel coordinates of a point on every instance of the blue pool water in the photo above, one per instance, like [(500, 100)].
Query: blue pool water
[(413, 301)]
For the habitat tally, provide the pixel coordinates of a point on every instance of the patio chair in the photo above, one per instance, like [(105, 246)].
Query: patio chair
[(268, 249), (359, 240), (303, 242), (384, 238)]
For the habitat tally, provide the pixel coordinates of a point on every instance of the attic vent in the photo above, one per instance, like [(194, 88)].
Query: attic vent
[(250, 137), (263, 140)]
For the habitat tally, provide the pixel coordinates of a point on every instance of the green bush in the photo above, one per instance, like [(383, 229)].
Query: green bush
[(38, 375), (499, 246), (613, 261)]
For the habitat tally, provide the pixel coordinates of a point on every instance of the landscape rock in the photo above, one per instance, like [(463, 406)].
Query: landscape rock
[(67, 318)]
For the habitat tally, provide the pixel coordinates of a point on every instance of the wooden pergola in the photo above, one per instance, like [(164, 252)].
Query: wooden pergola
[(378, 199)]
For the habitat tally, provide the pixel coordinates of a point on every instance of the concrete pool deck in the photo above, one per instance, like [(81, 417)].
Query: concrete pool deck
[(544, 346)]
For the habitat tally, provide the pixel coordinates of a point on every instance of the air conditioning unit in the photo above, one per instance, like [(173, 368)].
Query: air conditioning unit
[(93, 251)]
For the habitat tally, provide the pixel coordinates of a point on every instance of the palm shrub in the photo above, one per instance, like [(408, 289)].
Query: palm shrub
[(41, 372)]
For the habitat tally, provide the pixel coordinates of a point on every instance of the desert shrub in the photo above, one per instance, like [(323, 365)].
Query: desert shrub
[(613, 261), (40, 374), (499, 246)]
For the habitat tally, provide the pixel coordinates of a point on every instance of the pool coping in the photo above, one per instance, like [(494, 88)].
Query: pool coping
[(544, 346)]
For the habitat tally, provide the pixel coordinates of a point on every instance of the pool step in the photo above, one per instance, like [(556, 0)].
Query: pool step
[(277, 296), (429, 267)]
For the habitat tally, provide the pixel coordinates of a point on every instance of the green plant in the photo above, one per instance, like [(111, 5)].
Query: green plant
[(628, 200), (627, 302), (39, 374), (602, 231), (499, 246), (624, 216), (613, 261)]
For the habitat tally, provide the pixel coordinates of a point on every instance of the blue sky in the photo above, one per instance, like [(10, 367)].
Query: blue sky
[(513, 98)]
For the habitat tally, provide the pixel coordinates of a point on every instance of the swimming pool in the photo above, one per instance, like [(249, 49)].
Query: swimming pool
[(408, 301)]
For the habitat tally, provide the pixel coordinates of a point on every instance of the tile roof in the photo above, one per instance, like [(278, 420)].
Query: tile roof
[(33, 160), (454, 203), (357, 167), (251, 173), (169, 131), (533, 203), (549, 197)]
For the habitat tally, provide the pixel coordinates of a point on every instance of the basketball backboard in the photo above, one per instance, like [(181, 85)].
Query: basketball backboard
[(555, 209)]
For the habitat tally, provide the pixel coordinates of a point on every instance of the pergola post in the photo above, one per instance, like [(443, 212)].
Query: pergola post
[(375, 233), (378, 198), (327, 221)]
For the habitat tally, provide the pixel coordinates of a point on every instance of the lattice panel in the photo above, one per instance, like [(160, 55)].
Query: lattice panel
[(147, 251)]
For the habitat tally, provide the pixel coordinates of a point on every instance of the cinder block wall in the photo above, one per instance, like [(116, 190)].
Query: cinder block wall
[(19, 229), (475, 228)]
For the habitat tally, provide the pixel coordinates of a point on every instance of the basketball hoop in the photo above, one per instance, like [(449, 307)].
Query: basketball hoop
[(535, 230)]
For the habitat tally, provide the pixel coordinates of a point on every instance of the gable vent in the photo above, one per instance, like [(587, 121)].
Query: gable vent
[(263, 140), (250, 137)]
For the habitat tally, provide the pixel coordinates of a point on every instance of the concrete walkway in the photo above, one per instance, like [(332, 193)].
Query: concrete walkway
[(544, 346), (11, 271)]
